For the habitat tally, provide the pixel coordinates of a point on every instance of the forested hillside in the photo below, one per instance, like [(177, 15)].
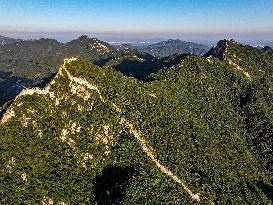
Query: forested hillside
[(198, 132), (32, 62)]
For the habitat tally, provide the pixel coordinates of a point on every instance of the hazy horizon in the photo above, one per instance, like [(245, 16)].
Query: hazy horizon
[(120, 20), (204, 38)]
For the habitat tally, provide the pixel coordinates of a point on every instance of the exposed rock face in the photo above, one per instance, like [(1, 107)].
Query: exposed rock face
[(219, 51)]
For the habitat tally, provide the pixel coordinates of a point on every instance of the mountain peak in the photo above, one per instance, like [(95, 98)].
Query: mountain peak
[(173, 40), (267, 48), (48, 40), (220, 50), (83, 37), (93, 45), (173, 46)]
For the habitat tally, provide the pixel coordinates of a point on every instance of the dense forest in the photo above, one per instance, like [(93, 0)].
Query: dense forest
[(32, 62), (196, 130)]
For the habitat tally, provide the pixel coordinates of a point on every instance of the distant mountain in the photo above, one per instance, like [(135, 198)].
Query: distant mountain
[(267, 48), (32, 61), (29, 63), (170, 47), (200, 132), (26, 63), (38, 58), (90, 48), (249, 61), (6, 40), (35, 58), (126, 46)]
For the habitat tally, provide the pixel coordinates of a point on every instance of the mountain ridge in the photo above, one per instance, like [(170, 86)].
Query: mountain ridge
[(194, 116), (169, 47), (30, 62), (124, 122), (34, 61)]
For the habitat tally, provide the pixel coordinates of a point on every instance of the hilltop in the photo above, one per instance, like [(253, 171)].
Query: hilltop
[(36, 58), (199, 132), (247, 60), (33, 62)]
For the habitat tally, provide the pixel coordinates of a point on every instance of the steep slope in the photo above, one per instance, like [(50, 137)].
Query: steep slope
[(255, 104), (90, 48), (37, 58), (249, 61), (170, 47), (95, 136), (141, 65), (27, 63), (32, 58)]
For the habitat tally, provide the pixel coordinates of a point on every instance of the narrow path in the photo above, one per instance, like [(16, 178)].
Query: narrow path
[(237, 67), (125, 123), (84, 82), (138, 135)]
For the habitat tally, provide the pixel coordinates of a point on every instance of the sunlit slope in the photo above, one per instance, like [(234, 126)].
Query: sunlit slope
[(95, 136)]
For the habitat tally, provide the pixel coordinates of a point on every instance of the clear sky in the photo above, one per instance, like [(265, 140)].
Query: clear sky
[(138, 16)]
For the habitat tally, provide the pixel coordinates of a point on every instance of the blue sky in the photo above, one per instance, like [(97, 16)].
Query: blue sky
[(138, 16)]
